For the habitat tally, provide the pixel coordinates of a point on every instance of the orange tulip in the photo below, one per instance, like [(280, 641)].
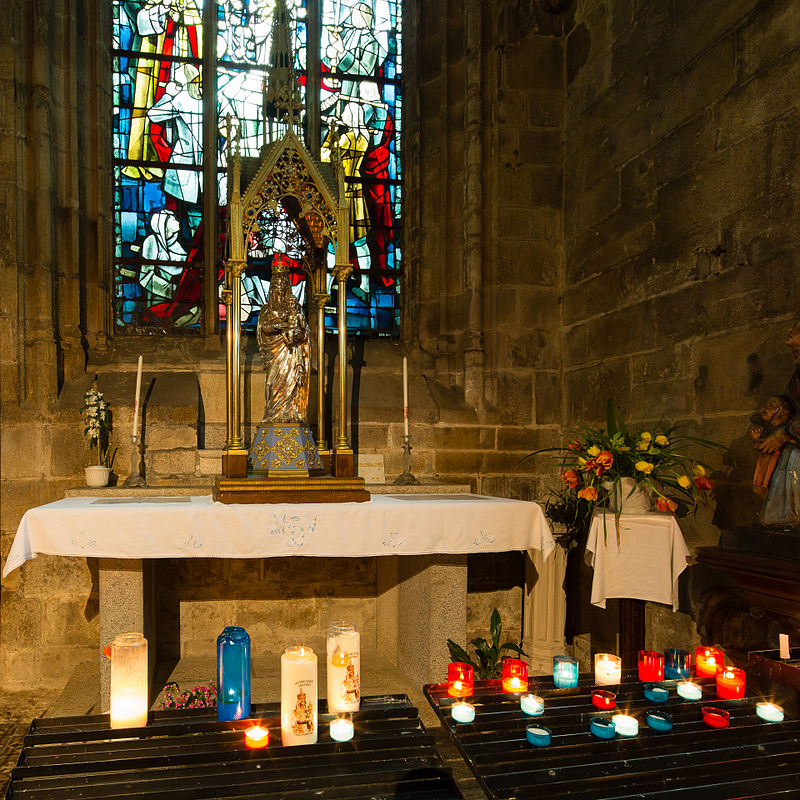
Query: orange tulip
[(588, 493), (570, 477), (701, 482), (665, 504)]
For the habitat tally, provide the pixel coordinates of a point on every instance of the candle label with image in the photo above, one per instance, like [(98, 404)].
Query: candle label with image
[(303, 716), (344, 668)]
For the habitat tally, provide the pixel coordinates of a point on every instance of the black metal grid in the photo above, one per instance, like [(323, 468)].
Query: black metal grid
[(751, 758), (189, 754)]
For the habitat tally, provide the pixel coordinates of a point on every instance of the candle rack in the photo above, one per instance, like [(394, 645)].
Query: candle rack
[(136, 480), (406, 478)]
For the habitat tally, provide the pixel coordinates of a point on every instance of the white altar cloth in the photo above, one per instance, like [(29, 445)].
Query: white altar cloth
[(184, 527), (645, 565)]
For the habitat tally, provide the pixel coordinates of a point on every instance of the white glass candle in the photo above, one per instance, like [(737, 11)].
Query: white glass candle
[(531, 704), (625, 725), (462, 712), (129, 700), (298, 696), (689, 691), (341, 730), (344, 667), (769, 712), (607, 669)]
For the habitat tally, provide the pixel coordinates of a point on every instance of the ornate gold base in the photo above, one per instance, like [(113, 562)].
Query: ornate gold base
[(290, 490)]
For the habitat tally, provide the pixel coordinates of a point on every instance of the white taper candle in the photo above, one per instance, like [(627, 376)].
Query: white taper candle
[(405, 396), (136, 398)]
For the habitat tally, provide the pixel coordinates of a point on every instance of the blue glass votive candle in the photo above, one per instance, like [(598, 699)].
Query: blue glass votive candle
[(233, 674), (603, 728), (659, 720), (538, 735), (677, 664), (656, 694), (565, 672)]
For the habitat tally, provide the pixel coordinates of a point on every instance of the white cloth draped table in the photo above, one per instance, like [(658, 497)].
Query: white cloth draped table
[(646, 564), (184, 527)]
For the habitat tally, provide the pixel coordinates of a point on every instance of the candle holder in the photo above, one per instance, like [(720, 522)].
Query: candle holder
[(603, 728), (656, 694), (604, 700), (769, 712), (406, 478), (298, 696), (689, 691), (515, 675), (677, 664), (538, 735), (707, 661), (233, 674), (129, 689), (344, 667), (659, 720), (462, 711), (716, 717), (730, 683), (651, 665), (532, 705), (459, 679), (625, 724), (256, 737), (136, 479), (341, 729), (565, 672), (607, 669)]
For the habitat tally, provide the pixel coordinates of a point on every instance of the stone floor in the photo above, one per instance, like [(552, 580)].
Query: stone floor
[(80, 696)]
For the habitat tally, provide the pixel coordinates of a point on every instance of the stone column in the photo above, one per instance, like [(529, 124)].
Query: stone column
[(545, 608)]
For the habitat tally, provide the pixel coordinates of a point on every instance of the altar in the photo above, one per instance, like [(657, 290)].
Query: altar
[(422, 541)]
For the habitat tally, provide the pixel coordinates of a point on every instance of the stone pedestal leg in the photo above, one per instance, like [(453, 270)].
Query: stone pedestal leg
[(432, 608), (387, 609), (545, 608), (126, 606)]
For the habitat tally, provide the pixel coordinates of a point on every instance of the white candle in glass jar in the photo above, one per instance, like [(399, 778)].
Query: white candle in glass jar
[(607, 669), (344, 667), (298, 696)]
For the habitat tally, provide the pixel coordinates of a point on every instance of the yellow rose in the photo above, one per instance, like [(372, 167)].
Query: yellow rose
[(644, 466), (684, 481), (646, 436), (662, 441), (594, 450)]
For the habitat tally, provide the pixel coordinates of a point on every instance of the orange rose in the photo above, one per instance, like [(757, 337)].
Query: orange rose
[(588, 493), (570, 477), (701, 482), (665, 504), (603, 461)]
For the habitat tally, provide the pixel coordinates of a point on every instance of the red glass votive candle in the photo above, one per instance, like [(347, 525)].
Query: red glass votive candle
[(515, 675), (603, 699), (730, 683), (459, 679), (716, 717), (651, 665), (707, 661)]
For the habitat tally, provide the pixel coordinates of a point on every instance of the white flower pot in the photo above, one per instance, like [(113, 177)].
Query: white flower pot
[(623, 501), (97, 476)]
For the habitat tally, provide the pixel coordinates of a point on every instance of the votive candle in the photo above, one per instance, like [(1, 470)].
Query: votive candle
[(129, 681), (343, 649), (716, 717), (459, 679), (565, 672), (531, 704), (538, 735), (677, 663), (707, 660), (769, 712), (656, 694), (341, 729), (659, 720), (298, 696), (689, 691), (462, 711), (256, 737), (651, 665), (730, 683), (607, 669), (603, 699), (515, 675), (625, 725)]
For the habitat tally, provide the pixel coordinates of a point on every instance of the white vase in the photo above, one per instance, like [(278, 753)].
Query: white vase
[(627, 497), (97, 476)]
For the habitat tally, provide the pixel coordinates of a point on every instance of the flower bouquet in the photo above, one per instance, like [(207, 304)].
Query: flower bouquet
[(96, 413), (202, 696), (606, 467)]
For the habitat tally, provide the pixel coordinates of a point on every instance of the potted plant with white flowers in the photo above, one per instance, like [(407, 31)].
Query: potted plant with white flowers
[(96, 413)]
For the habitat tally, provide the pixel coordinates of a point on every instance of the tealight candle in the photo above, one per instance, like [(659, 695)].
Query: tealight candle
[(603, 700), (341, 729), (565, 672), (256, 737), (651, 665), (603, 728), (531, 704), (459, 679), (769, 712), (707, 660), (659, 720), (677, 663), (538, 735), (657, 694), (515, 675), (462, 712), (715, 717), (730, 683), (607, 669), (625, 725), (689, 691)]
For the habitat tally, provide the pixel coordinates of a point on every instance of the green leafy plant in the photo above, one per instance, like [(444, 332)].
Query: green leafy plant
[(488, 656)]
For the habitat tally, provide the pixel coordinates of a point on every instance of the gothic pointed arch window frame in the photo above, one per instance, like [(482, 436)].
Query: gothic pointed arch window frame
[(166, 117)]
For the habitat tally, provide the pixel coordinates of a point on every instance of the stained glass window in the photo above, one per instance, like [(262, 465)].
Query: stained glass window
[(163, 119)]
